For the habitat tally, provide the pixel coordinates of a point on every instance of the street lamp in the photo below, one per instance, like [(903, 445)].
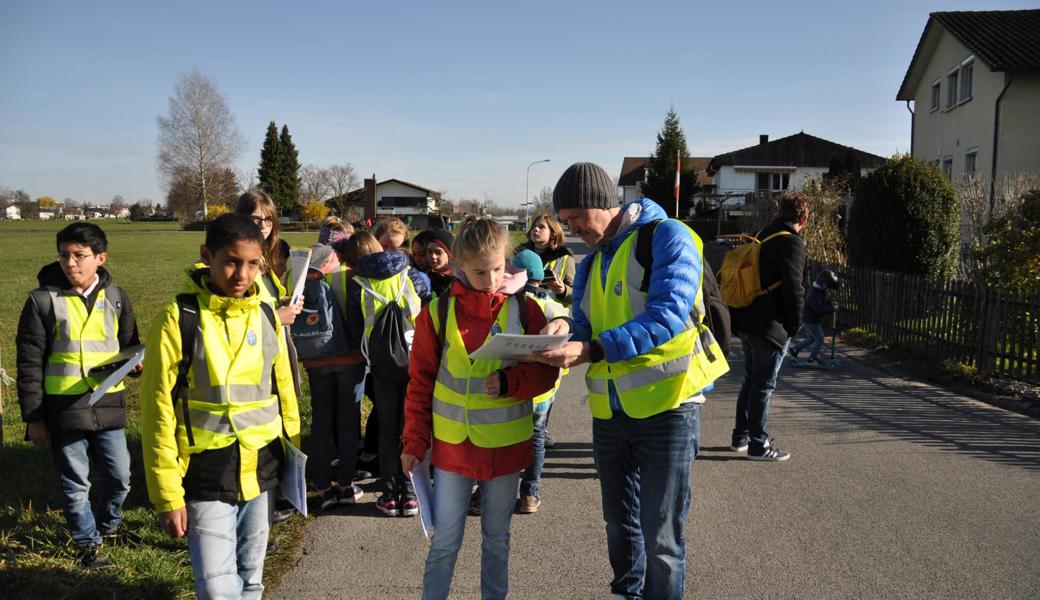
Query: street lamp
[(527, 198)]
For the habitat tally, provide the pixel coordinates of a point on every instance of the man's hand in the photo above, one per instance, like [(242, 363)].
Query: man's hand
[(408, 463), (492, 385), (556, 327), (38, 433), (174, 522), (566, 356)]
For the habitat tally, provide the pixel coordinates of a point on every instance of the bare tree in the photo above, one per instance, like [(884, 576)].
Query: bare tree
[(198, 136), (542, 203), (314, 185), (340, 179)]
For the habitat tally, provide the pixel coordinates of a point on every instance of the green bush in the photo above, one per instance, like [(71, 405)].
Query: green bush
[(1010, 258), (906, 220)]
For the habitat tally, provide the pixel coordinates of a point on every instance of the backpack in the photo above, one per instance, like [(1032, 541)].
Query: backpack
[(188, 321), (389, 343), (320, 329), (740, 276), (716, 314)]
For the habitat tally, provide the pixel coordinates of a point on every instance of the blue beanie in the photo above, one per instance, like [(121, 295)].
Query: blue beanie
[(530, 262)]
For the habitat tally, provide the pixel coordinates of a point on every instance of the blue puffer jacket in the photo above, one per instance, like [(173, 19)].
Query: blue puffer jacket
[(674, 282), (380, 265)]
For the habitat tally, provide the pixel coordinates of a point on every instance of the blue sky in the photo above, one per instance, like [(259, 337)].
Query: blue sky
[(455, 96)]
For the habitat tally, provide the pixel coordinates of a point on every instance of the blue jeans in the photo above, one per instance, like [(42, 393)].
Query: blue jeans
[(645, 464), (72, 452), (451, 493), (813, 336), (762, 361), (532, 478), (227, 544)]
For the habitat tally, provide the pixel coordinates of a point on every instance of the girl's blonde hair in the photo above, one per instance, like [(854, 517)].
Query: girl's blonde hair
[(392, 225), (335, 224), (360, 244), (555, 230), (248, 203), (479, 236)]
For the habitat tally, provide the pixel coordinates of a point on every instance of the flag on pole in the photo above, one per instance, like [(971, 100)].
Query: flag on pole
[(677, 159)]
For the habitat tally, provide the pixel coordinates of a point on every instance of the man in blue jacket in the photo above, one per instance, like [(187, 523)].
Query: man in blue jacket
[(650, 361)]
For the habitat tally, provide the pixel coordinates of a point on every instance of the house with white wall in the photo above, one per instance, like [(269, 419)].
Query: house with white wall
[(12, 213), (414, 204), (634, 171), (973, 92)]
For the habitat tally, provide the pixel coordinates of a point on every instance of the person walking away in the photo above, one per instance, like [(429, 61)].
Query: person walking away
[(818, 304), (477, 413)]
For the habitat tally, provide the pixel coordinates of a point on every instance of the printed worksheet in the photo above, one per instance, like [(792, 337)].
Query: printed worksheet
[(511, 346)]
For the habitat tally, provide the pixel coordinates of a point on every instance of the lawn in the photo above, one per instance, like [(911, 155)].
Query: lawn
[(36, 556)]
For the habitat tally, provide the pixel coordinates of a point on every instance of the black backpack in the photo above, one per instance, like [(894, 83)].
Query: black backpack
[(188, 320), (390, 342), (716, 313)]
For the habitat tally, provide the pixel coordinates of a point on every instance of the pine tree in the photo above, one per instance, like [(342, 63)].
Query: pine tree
[(660, 180), (290, 173), (270, 163)]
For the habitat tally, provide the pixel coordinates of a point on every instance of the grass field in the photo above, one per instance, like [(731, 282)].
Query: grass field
[(36, 555)]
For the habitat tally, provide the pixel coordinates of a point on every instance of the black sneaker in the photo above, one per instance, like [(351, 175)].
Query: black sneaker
[(474, 504), (770, 453), (91, 557), (329, 498), (792, 351), (349, 495), (282, 515), (739, 446)]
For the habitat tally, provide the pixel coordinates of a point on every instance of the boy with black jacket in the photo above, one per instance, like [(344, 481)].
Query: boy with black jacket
[(818, 305), (78, 319)]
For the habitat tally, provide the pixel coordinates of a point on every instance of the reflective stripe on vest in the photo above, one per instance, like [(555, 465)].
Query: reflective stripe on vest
[(337, 281), (558, 266), (80, 341), (461, 408), (657, 380), (551, 309), (229, 393), (377, 293)]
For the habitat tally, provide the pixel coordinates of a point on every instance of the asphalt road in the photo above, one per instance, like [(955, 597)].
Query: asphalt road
[(895, 489)]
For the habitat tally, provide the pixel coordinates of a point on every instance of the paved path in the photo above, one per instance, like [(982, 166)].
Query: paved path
[(895, 489)]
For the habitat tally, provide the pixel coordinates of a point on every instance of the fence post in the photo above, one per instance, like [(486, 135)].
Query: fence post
[(989, 318)]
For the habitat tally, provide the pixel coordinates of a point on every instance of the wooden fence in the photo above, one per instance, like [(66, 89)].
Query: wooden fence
[(993, 330)]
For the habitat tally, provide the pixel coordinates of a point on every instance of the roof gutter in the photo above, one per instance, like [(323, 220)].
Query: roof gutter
[(911, 127), (1008, 76)]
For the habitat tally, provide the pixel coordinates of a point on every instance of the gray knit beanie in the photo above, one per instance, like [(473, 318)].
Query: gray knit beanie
[(584, 185)]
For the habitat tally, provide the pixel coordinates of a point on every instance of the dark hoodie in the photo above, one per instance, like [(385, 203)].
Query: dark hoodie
[(66, 412), (381, 265)]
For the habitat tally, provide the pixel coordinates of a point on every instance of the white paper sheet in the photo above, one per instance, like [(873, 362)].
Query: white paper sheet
[(299, 261), (420, 475), (136, 355), (511, 346), (294, 483)]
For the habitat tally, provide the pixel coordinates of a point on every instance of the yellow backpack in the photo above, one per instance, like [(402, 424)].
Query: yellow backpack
[(740, 280)]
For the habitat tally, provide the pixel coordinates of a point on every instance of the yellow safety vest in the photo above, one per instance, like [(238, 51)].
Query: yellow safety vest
[(551, 309), (559, 266), (461, 408), (229, 394), (80, 341), (377, 293), (662, 378)]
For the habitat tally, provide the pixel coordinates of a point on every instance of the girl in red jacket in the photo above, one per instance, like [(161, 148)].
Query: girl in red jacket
[(476, 414)]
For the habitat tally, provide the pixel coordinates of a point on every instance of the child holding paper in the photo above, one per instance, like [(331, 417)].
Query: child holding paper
[(476, 414), (212, 439), (74, 321)]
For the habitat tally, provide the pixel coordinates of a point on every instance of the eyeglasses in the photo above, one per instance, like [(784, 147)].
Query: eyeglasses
[(76, 258), (260, 221)]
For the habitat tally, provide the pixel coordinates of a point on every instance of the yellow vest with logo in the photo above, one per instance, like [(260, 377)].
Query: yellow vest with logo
[(461, 408), (551, 309), (662, 378), (229, 395), (559, 266), (377, 293), (80, 341)]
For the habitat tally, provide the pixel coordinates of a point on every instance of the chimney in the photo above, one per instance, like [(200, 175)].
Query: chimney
[(370, 198), (763, 138)]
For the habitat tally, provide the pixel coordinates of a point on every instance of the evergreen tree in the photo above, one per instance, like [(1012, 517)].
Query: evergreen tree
[(660, 180), (290, 173), (270, 163)]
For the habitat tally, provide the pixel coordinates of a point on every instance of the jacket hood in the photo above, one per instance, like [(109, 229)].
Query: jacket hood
[(635, 214), (197, 282), (51, 275), (514, 281), (382, 265)]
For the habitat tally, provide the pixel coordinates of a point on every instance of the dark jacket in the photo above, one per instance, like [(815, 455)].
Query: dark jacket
[(547, 257), (776, 315), (66, 412), (380, 265), (440, 282), (817, 305)]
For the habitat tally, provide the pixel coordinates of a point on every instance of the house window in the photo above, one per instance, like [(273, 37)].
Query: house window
[(772, 182), (969, 161), (967, 70), (947, 167), (951, 89), (936, 96)]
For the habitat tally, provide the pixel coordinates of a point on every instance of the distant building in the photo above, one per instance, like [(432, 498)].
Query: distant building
[(13, 213), (45, 214), (974, 81), (634, 172), (414, 204)]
